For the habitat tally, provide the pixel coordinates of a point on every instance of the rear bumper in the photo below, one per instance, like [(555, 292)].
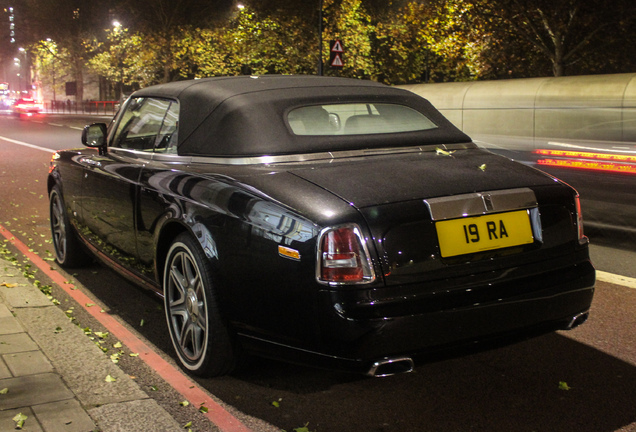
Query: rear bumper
[(354, 334)]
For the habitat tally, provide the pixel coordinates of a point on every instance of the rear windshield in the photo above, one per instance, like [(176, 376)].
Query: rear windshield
[(357, 119)]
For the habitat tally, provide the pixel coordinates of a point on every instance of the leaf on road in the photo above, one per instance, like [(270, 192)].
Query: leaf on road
[(4, 390), (101, 335), (9, 285), (184, 403), (302, 429), (117, 345), (203, 409), (564, 386)]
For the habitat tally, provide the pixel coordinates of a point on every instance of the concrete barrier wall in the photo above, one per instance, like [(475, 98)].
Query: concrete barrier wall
[(592, 107)]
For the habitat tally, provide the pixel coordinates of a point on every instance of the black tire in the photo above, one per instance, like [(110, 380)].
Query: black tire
[(68, 249), (199, 335)]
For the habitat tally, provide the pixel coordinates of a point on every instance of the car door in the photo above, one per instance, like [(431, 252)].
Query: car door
[(110, 187)]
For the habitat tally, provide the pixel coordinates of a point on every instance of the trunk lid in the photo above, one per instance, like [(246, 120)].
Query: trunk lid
[(399, 197)]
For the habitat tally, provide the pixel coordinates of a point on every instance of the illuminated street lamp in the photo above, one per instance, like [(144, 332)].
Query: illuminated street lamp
[(245, 69)]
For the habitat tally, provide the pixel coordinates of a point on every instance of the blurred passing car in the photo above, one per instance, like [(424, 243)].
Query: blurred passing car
[(328, 221), (27, 106)]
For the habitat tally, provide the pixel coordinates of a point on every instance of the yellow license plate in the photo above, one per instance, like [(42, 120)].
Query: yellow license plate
[(480, 233)]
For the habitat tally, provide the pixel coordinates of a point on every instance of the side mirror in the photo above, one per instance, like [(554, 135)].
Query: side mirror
[(94, 135)]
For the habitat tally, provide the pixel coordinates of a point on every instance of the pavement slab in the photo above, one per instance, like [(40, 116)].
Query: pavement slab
[(64, 416), (84, 367), (28, 363), (16, 342), (30, 425), (34, 390)]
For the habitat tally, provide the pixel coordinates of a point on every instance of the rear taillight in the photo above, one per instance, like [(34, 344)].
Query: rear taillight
[(579, 220), (343, 257)]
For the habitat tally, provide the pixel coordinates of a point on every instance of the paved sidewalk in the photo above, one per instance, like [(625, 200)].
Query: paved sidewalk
[(54, 375)]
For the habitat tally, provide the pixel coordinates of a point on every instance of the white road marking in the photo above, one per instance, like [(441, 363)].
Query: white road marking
[(22, 143), (616, 279)]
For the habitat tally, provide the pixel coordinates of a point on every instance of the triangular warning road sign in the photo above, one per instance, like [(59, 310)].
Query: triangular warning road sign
[(337, 61), (337, 47)]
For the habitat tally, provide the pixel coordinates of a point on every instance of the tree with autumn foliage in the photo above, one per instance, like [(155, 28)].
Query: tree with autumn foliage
[(395, 42), (565, 35), (53, 66), (126, 60)]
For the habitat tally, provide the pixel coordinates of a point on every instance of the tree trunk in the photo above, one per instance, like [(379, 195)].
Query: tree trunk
[(558, 58)]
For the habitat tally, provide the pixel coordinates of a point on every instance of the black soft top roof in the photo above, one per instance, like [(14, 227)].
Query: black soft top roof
[(246, 115)]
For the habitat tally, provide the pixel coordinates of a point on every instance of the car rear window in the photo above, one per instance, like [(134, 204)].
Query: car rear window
[(357, 119)]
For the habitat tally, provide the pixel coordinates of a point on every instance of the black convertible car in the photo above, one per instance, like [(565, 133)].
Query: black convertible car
[(329, 221)]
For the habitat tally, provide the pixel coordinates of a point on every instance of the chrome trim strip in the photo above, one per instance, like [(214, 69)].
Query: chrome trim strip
[(480, 203), (397, 365), (307, 157)]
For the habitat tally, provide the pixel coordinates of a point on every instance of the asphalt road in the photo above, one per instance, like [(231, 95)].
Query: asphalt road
[(582, 380)]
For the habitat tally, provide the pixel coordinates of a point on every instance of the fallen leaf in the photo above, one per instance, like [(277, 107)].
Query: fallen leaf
[(203, 409), (184, 403), (443, 152), (19, 420), (9, 285), (564, 386), (110, 379), (4, 390), (117, 345)]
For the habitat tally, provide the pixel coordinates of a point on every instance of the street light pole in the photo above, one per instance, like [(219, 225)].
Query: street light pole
[(320, 39), (25, 69)]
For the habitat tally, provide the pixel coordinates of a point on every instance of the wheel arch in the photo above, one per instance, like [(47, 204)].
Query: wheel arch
[(169, 231), (52, 180)]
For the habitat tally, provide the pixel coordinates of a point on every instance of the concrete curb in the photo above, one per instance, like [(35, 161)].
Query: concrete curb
[(56, 376)]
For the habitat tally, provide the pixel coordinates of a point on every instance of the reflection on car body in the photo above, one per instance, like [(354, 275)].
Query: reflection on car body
[(327, 221)]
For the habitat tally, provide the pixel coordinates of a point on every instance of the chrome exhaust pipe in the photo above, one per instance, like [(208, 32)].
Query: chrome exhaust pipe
[(391, 366), (577, 320)]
